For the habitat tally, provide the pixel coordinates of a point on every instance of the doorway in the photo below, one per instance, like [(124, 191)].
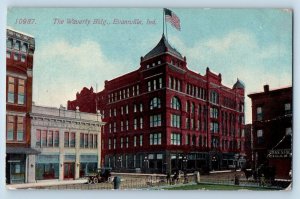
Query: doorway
[(69, 170)]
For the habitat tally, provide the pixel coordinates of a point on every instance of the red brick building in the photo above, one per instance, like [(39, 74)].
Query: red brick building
[(19, 61), (163, 116), (272, 129)]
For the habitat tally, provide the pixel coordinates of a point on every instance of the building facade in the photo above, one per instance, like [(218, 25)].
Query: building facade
[(68, 143), (163, 116), (272, 129), (19, 64)]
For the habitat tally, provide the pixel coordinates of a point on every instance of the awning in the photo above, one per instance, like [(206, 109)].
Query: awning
[(21, 150)]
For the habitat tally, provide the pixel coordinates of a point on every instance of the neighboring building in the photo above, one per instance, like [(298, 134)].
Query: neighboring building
[(19, 62), (272, 129), (68, 142), (163, 116), (249, 146)]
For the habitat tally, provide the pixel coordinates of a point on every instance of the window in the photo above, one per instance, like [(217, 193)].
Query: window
[(10, 127), (141, 123), (50, 139), (187, 139), (72, 140), (287, 108), (259, 113), (24, 48), (20, 129), (175, 139), (155, 103), (56, 139), (133, 91), (175, 121), (122, 126), (155, 120), (81, 140), (109, 127), (43, 138), (135, 124), (127, 92), (122, 111), (134, 141), (23, 58), (11, 90), (214, 127), (193, 108), (16, 56), (121, 143), (115, 112), (141, 140), (160, 82), (66, 139), (214, 97), (8, 54), (137, 90), (154, 84), (17, 45), (115, 127), (187, 123), (9, 43), (214, 113), (175, 103), (21, 91), (115, 143), (109, 143), (127, 125), (127, 109), (134, 108), (155, 138), (127, 142), (86, 140), (141, 107), (149, 86), (95, 141), (260, 138)]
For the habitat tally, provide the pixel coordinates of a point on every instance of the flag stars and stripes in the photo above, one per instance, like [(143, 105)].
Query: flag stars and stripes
[(172, 18)]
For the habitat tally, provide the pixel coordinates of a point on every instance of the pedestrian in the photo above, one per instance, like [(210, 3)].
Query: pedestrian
[(168, 178)]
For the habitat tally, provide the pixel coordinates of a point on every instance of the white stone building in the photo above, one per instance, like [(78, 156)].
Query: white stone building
[(68, 142)]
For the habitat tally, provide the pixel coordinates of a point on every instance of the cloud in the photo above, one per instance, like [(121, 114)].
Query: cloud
[(239, 54), (62, 68)]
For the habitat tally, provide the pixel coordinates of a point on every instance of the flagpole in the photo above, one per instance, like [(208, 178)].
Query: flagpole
[(164, 21), (166, 31)]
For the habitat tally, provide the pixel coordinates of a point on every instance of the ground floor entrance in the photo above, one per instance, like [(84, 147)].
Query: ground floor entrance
[(69, 170), (15, 168)]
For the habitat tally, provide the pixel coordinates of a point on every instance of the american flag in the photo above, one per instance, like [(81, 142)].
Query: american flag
[(172, 18)]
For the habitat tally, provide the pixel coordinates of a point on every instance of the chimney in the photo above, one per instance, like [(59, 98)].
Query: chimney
[(266, 88)]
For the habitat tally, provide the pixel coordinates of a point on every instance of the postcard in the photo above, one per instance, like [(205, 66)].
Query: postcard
[(149, 99)]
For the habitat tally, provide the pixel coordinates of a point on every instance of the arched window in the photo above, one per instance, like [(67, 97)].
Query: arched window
[(175, 103), (155, 103)]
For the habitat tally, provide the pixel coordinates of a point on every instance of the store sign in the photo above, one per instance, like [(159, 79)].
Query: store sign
[(280, 153)]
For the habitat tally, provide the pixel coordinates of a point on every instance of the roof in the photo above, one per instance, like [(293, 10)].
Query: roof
[(239, 84), (21, 150), (162, 47)]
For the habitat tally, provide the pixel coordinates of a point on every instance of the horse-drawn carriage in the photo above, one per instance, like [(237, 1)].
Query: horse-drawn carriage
[(102, 175)]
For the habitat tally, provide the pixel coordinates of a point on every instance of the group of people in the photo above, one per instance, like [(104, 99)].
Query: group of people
[(176, 177)]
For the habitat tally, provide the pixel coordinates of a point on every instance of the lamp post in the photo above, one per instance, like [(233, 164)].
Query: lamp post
[(184, 160), (146, 163), (119, 163), (213, 160)]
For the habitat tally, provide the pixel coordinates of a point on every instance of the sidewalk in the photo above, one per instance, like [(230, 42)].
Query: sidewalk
[(45, 183)]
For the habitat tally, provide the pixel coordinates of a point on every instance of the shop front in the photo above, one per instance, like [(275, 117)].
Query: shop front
[(47, 167)]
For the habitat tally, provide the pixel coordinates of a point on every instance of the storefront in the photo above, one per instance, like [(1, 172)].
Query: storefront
[(19, 164), (88, 164), (47, 167)]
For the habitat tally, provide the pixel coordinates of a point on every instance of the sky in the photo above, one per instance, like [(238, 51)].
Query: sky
[(254, 45)]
